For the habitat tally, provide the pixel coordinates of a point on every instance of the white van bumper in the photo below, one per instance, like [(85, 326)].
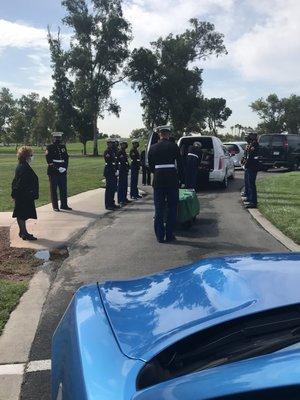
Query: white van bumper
[(217, 176)]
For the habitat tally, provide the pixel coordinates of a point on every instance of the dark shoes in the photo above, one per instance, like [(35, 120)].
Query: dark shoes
[(128, 201), (113, 208), (66, 208), (27, 236), (171, 239), (250, 205), (56, 209)]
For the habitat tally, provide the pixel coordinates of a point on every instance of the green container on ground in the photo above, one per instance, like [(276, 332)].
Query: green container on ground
[(188, 207)]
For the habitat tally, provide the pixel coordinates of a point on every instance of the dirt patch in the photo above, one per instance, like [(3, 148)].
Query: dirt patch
[(15, 264)]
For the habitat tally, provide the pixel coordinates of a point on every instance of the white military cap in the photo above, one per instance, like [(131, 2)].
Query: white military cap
[(57, 134), (135, 141), (123, 140), (110, 140), (163, 128)]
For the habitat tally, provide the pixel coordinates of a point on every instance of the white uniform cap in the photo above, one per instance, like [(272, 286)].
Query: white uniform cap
[(135, 141), (123, 141), (163, 128), (110, 140), (57, 134), (197, 144)]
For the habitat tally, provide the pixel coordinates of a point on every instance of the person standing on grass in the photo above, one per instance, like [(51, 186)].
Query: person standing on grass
[(58, 161), (134, 169), (25, 190), (165, 163)]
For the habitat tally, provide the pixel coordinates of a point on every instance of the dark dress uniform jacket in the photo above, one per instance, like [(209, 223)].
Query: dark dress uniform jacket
[(57, 156), (25, 189), (123, 162), (110, 163), (162, 153), (251, 155)]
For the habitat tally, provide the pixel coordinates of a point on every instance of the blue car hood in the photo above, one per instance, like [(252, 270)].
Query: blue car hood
[(150, 313)]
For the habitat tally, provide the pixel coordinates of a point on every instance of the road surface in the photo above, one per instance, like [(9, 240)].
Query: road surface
[(122, 245)]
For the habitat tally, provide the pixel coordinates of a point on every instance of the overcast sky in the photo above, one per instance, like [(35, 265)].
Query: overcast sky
[(262, 38)]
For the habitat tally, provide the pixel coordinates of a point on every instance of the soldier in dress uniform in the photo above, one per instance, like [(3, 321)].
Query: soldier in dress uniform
[(123, 173), (111, 175), (134, 168), (58, 160), (193, 160), (165, 162)]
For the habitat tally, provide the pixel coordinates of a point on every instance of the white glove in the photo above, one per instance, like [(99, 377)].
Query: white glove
[(117, 173), (62, 170)]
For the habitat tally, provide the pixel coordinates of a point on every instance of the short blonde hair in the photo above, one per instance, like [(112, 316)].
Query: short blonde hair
[(24, 153)]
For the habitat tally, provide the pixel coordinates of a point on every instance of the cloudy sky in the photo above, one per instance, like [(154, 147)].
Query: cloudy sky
[(262, 38)]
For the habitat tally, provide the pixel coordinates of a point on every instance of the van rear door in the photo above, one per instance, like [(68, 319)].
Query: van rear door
[(279, 148)]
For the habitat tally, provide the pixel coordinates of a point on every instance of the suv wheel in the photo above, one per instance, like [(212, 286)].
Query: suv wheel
[(295, 166)]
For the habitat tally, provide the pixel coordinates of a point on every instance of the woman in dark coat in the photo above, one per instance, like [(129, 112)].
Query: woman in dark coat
[(25, 190)]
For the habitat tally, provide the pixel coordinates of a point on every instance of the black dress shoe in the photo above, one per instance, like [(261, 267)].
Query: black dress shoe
[(56, 209), (250, 205), (27, 236), (110, 208), (128, 201), (66, 208), (171, 239), (161, 240)]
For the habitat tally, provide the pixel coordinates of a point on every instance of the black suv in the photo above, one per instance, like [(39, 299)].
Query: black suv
[(279, 150)]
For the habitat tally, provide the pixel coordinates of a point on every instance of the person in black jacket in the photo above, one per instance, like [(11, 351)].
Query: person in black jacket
[(58, 161), (111, 175), (193, 160), (123, 174), (25, 190), (134, 169), (250, 163), (145, 169), (165, 162)]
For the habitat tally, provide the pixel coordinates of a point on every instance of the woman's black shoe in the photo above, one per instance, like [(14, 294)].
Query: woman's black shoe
[(27, 236)]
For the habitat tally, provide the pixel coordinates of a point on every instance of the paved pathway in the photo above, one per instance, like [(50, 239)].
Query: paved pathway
[(56, 229)]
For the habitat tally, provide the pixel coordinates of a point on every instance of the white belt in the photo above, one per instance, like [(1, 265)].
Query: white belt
[(191, 154), (60, 161), (160, 166)]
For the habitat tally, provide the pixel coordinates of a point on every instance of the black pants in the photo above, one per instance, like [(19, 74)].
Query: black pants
[(122, 187), (146, 176), (58, 182), (250, 187), (111, 188), (134, 191), (165, 201)]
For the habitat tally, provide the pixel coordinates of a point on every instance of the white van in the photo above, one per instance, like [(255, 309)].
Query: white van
[(219, 164)]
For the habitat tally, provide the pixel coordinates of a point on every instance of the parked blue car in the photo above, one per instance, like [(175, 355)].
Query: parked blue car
[(221, 328)]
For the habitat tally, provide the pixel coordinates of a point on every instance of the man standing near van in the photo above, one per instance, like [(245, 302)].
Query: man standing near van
[(251, 169), (165, 163)]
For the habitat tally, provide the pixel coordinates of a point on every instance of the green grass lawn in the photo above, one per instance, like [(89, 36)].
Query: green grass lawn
[(85, 173), (10, 293), (279, 201)]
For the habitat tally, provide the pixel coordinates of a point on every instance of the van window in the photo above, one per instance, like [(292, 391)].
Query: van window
[(232, 148), (264, 140), (243, 145)]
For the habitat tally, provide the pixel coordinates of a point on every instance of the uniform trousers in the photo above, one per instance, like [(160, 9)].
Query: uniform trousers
[(250, 190), (165, 202), (146, 176), (134, 192), (58, 182), (191, 174), (110, 190), (122, 187)]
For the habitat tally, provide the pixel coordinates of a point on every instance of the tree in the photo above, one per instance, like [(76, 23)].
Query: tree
[(139, 133), (44, 122), (271, 112), (169, 83), (98, 49), (27, 106), (7, 110), (18, 128), (291, 117), (62, 91), (217, 113)]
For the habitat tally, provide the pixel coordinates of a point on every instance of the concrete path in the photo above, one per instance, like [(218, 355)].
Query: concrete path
[(57, 229)]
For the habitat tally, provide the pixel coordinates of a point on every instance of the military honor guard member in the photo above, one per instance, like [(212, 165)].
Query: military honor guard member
[(134, 169), (122, 158), (193, 160), (111, 174), (58, 160), (146, 173), (165, 162), (251, 166)]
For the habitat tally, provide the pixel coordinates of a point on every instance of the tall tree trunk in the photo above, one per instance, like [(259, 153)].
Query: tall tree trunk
[(84, 148), (95, 129)]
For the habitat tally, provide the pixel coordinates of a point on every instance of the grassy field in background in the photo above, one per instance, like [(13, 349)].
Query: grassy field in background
[(279, 201), (85, 173)]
